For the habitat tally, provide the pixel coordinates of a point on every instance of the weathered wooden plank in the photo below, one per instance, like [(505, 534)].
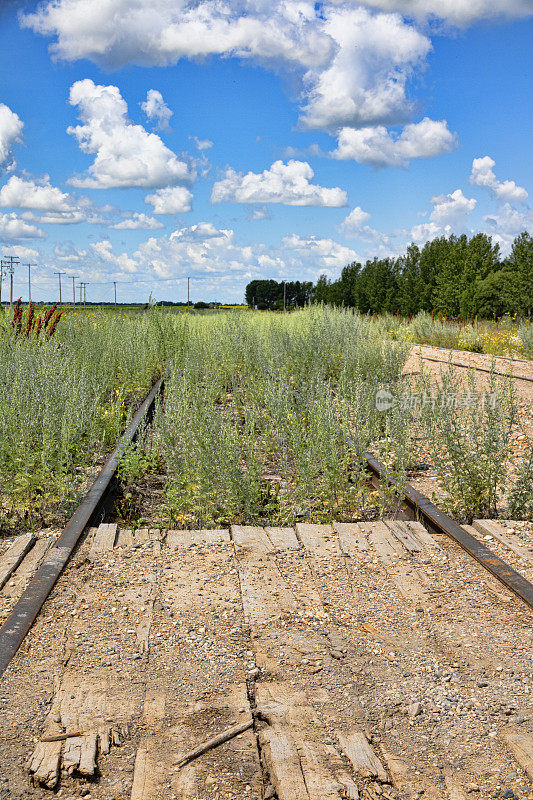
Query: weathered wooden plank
[(183, 539), (321, 540), (361, 756), (404, 535), (424, 536), (395, 558), (124, 538), (142, 788), (352, 538), (521, 746), (14, 555), (251, 539), (321, 782), (489, 527), (283, 764), (282, 538), (28, 567), (383, 541), (265, 594), (44, 764), (104, 539), (140, 536), (87, 764)]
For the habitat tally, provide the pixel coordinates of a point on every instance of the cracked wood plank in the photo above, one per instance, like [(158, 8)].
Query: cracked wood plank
[(14, 555)]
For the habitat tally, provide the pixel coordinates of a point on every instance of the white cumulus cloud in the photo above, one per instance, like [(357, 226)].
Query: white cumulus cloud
[(13, 227), (356, 220), (451, 209), (10, 132), (483, 175), (170, 200), (123, 262), (456, 12), (325, 254), (364, 83), (135, 221), (28, 193), (508, 223), (155, 108), (126, 154), (289, 184), (353, 63), (380, 148)]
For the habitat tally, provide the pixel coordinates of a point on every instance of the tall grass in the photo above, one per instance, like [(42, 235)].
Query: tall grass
[(266, 415), (64, 401), (503, 337)]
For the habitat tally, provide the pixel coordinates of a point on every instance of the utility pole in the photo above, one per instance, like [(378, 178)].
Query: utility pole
[(29, 281), (115, 285), (85, 285), (9, 262), (59, 274), (80, 287), (73, 277)]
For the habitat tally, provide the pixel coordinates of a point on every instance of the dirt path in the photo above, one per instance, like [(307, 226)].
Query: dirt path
[(374, 661)]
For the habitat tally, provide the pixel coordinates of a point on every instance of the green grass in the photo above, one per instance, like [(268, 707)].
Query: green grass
[(503, 337), (264, 419)]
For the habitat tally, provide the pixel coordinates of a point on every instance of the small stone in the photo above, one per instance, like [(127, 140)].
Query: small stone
[(508, 793), (336, 654), (415, 709)]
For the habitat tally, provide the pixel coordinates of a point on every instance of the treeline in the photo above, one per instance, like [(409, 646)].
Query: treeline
[(458, 276), (273, 296)]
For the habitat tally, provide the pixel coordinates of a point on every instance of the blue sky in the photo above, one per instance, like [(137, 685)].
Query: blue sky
[(143, 144)]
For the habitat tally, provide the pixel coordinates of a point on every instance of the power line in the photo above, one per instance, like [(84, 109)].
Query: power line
[(29, 281), (9, 262), (73, 278), (59, 274)]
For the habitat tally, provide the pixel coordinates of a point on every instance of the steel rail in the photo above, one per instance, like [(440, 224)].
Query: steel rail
[(471, 353), (477, 369), (32, 599), (439, 522)]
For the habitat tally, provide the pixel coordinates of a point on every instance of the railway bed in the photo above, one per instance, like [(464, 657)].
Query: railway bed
[(371, 660)]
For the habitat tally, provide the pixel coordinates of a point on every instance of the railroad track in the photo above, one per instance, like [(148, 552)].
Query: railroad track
[(309, 663), (487, 370)]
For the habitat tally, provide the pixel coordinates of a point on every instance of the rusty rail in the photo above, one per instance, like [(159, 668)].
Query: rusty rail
[(438, 522), (23, 615)]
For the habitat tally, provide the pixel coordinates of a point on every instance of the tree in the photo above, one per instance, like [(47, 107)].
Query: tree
[(518, 271), (481, 259)]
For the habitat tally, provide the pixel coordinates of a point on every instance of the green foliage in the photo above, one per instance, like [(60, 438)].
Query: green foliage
[(65, 400), (520, 501), (270, 295), (468, 436), (257, 414), (453, 276)]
